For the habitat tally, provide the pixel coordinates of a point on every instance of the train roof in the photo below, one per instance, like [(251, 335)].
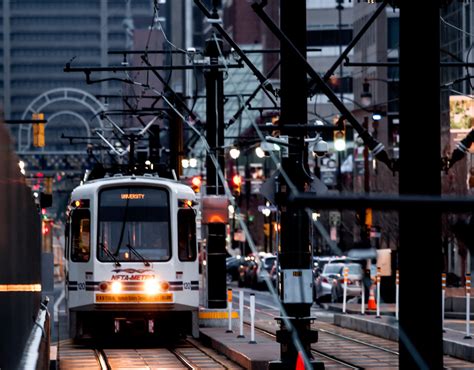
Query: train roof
[(92, 185)]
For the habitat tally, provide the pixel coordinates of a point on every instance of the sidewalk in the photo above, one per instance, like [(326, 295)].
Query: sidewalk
[(249, 356)]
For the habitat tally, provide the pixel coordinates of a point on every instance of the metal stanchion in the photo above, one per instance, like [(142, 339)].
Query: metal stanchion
[(378, 293), (344, 293), (443, 298), (241, 315), (468, 306), (229, 306), (397, 293), (252, 319), (362, 292)]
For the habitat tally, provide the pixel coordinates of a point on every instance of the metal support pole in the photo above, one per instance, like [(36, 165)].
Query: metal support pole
[(294, 254), (176, 135), (344, 293), (378, 294), (443, 297), (420, 148), (252, 319), (397, 295), (468, 306), (241, 314), (216, 269), (229, 306)]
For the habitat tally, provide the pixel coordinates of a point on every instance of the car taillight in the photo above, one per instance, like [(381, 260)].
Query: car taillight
[(325, 280), (349, 281)]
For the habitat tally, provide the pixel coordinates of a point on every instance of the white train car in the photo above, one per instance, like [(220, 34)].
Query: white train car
[(132, 258)]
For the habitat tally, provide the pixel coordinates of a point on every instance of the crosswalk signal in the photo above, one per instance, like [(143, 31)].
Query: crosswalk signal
[(236, 184), (196, 183), (38, 130)]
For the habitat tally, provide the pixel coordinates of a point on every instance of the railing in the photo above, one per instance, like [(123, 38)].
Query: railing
[(36, 354)]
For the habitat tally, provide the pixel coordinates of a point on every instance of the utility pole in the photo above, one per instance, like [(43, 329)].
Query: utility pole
[(176, 135), (420, 149), (294, 253), (216, 268)]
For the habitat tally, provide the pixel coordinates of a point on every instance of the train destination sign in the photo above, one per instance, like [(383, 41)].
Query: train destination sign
[(132, 196)]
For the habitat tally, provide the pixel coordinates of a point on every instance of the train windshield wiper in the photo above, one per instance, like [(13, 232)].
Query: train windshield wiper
[(135, 252), (108, 253)]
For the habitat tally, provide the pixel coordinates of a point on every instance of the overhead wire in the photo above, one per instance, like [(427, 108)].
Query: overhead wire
[(294, 191)]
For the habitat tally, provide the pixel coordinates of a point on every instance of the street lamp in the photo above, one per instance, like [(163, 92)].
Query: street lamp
[(259, 152), (234, 153)]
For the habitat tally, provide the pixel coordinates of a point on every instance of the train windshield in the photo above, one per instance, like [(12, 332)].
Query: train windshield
[(134, 225)]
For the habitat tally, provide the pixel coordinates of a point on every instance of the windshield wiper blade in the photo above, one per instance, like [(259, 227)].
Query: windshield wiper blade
[(108, 253), (135, 252)]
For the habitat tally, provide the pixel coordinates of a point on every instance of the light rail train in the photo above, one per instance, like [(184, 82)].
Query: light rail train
[(132, 258)]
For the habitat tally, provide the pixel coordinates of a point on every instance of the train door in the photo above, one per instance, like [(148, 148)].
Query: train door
[(187, 253), (80, 259)]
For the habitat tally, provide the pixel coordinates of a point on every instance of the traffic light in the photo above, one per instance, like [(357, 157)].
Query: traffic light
[(47, 226), (196, 183), (48, 185), (38, 131), (236, 184), (368, 217)]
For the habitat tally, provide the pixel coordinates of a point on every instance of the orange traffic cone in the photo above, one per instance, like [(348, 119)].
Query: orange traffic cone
[(371, 305), (300, 362)]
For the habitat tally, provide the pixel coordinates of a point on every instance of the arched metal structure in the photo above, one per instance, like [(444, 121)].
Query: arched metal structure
[(53, 96)]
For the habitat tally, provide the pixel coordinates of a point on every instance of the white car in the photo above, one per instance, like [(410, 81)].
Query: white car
[(329, 284)]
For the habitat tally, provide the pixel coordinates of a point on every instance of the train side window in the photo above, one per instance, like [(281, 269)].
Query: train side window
[(80, 235), (66, 240), (187, 235)]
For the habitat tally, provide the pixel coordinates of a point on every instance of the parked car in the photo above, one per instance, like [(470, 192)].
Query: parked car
[(247, 269), (264, 268), (274, 273), (318, 264), (232, 268), (329, 284), (253, 269)]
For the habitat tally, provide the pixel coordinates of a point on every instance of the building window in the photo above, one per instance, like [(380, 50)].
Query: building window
[(393, 34), (329, 37)]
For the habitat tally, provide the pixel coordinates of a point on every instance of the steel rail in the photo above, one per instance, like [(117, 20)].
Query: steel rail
[(359, 341), (314, 351), (102, 359), (192, 343), (183, 359)]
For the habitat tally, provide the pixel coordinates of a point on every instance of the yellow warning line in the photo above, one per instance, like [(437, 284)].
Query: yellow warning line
[(217, 315), (20, 287)]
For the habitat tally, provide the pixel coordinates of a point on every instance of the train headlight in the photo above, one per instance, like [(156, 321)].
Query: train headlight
[(116, 287), (151, 287)]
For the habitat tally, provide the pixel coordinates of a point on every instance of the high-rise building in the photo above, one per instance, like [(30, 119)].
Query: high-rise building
[(38, 38)]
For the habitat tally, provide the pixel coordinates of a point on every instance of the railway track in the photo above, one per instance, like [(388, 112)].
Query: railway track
[(188, 354), (329, 360), (341, 348)]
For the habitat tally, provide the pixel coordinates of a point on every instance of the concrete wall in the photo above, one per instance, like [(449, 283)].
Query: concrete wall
[(20, 256)]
